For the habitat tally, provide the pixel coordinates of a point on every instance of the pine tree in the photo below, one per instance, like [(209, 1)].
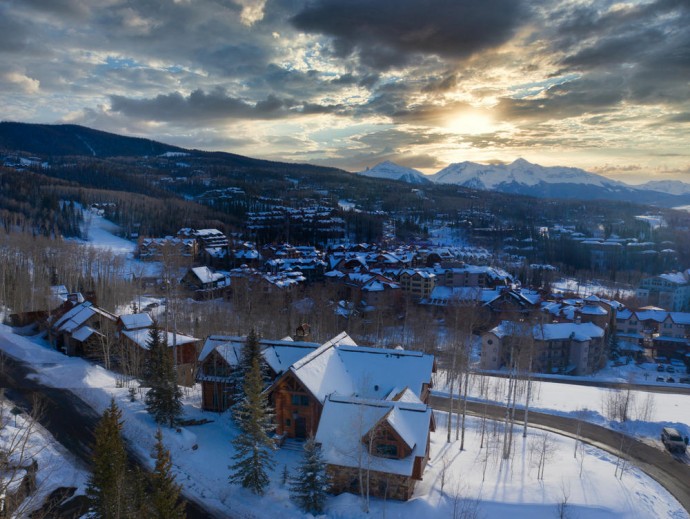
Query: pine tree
[(107, 485), (165, 492), (163, 399), (250, 352), (253, 446), (308, 487)]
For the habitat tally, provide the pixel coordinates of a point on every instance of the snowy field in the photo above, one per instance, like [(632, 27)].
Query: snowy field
[(649, 411), (102, 234), (201, 455), (573, 286)]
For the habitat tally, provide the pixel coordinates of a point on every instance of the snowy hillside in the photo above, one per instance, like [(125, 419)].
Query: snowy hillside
[(482, 176), (672, 187), (391, 171)]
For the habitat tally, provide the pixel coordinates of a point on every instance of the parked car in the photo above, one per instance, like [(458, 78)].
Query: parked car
[(685, 380), (670, 379), (673, 441), (660, 367), (670, 369), (660, 379)]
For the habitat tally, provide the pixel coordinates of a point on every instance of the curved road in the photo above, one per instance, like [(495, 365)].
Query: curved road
[(69, 419), (673, 473)]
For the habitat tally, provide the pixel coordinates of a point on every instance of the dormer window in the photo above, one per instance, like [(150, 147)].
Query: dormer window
[(386, 450)]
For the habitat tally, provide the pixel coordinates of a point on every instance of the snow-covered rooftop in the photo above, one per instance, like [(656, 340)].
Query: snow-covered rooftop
[(136, 321), (553, 331), (346, 420), (340, 366), (141, 338)]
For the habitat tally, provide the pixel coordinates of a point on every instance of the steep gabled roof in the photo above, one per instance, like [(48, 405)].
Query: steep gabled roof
[(78, 315), (346, 420)]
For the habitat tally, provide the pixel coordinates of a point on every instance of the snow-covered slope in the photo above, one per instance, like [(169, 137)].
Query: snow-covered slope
[(391, 171), (672, 187), (482, 176)]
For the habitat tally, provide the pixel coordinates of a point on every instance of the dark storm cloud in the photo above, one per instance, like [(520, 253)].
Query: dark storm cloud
[(590, 95), (395, 139), (443, 84), (386, 33), (648, 45), (215, 105), (69, 8), (13, 37), (680, 118)]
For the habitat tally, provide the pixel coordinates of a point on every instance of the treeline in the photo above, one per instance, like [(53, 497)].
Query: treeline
[(30, 202), (30, 265)]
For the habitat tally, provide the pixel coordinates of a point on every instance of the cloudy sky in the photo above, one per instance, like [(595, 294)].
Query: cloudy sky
[(595, 84)]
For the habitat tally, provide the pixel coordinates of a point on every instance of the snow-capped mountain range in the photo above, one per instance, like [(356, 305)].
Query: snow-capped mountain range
[(391, 171), (672, 187), (525, 178)]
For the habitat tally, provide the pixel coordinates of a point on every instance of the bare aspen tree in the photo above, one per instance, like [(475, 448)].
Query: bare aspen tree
[(450, 378), (542, 447), (563, 508)]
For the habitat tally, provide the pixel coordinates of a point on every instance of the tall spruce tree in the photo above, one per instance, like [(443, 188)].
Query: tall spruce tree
[(250, 351), (163, 399), (165, 493), (253, 446), (107, 490), (308, 487)]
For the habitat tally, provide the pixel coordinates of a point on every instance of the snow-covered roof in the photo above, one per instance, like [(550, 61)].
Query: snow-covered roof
[(206, 275), (78, 315), (141, 338), (445, 294), (680, 317), (553, 331), (136, 321), (346, 420), (83, 333), (677, 278), (403, 395), (624, 314), (658, 316), (340, 366), (279, 355), (593, 310)]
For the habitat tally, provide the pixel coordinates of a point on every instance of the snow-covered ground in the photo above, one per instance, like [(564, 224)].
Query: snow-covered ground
[(24, 439), (101, 233), (201, 455), (590, 288), (648, 412), (445, 236)]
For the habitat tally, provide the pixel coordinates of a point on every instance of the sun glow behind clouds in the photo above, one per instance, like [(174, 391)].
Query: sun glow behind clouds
[(471, 122)]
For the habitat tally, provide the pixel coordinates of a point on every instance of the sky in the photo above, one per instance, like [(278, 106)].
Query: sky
[(595, 84)]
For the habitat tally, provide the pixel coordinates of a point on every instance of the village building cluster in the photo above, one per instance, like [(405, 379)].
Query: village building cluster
[(361, 402)]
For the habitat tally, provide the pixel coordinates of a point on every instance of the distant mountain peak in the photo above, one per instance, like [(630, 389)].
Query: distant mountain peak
[(521, 162), (391, 171)]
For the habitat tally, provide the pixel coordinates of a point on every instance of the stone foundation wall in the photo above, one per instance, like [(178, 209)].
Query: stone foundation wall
[(383, 485)]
